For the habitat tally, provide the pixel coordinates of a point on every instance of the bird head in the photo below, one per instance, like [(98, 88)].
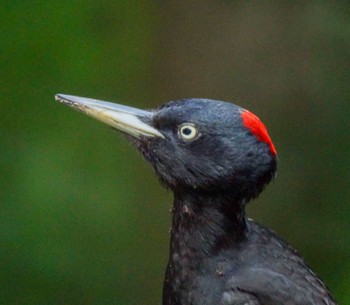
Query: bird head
[(194, 145)]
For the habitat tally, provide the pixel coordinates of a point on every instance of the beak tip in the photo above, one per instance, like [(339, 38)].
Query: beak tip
[(66, 99), (60, 98)]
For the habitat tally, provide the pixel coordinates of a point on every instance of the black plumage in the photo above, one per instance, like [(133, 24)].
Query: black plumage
[(215, 157)]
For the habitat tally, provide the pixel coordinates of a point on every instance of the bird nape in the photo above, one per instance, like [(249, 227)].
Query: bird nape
[(215, 157)]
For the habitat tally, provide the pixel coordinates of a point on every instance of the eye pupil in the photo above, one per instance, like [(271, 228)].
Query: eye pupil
[(187, 131)]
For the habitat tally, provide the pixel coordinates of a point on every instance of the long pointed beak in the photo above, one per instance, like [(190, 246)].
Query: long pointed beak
[(127, 119)]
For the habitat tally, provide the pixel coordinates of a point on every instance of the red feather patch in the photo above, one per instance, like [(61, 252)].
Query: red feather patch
[(253, 123)]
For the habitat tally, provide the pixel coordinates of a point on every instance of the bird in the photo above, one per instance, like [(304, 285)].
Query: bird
[(215, 157)]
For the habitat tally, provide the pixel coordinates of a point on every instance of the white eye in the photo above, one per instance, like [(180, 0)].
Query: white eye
[(188, 131)]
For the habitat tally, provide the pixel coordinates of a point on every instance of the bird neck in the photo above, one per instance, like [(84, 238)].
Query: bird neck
[(205, 224)]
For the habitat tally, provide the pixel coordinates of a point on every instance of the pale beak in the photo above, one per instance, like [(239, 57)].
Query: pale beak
[(133, 121)]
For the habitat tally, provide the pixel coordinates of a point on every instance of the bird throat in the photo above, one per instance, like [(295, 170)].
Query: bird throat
[(203, 227)]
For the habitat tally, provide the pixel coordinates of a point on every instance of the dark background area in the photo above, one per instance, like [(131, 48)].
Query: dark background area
[(83, 219)]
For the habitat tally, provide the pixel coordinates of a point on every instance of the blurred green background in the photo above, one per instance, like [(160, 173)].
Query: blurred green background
[(83, 219)]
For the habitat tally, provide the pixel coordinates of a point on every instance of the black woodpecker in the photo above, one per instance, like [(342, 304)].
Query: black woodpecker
[(215, 157)]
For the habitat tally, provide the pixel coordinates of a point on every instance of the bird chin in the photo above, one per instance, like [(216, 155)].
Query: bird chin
[(142, 144)]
